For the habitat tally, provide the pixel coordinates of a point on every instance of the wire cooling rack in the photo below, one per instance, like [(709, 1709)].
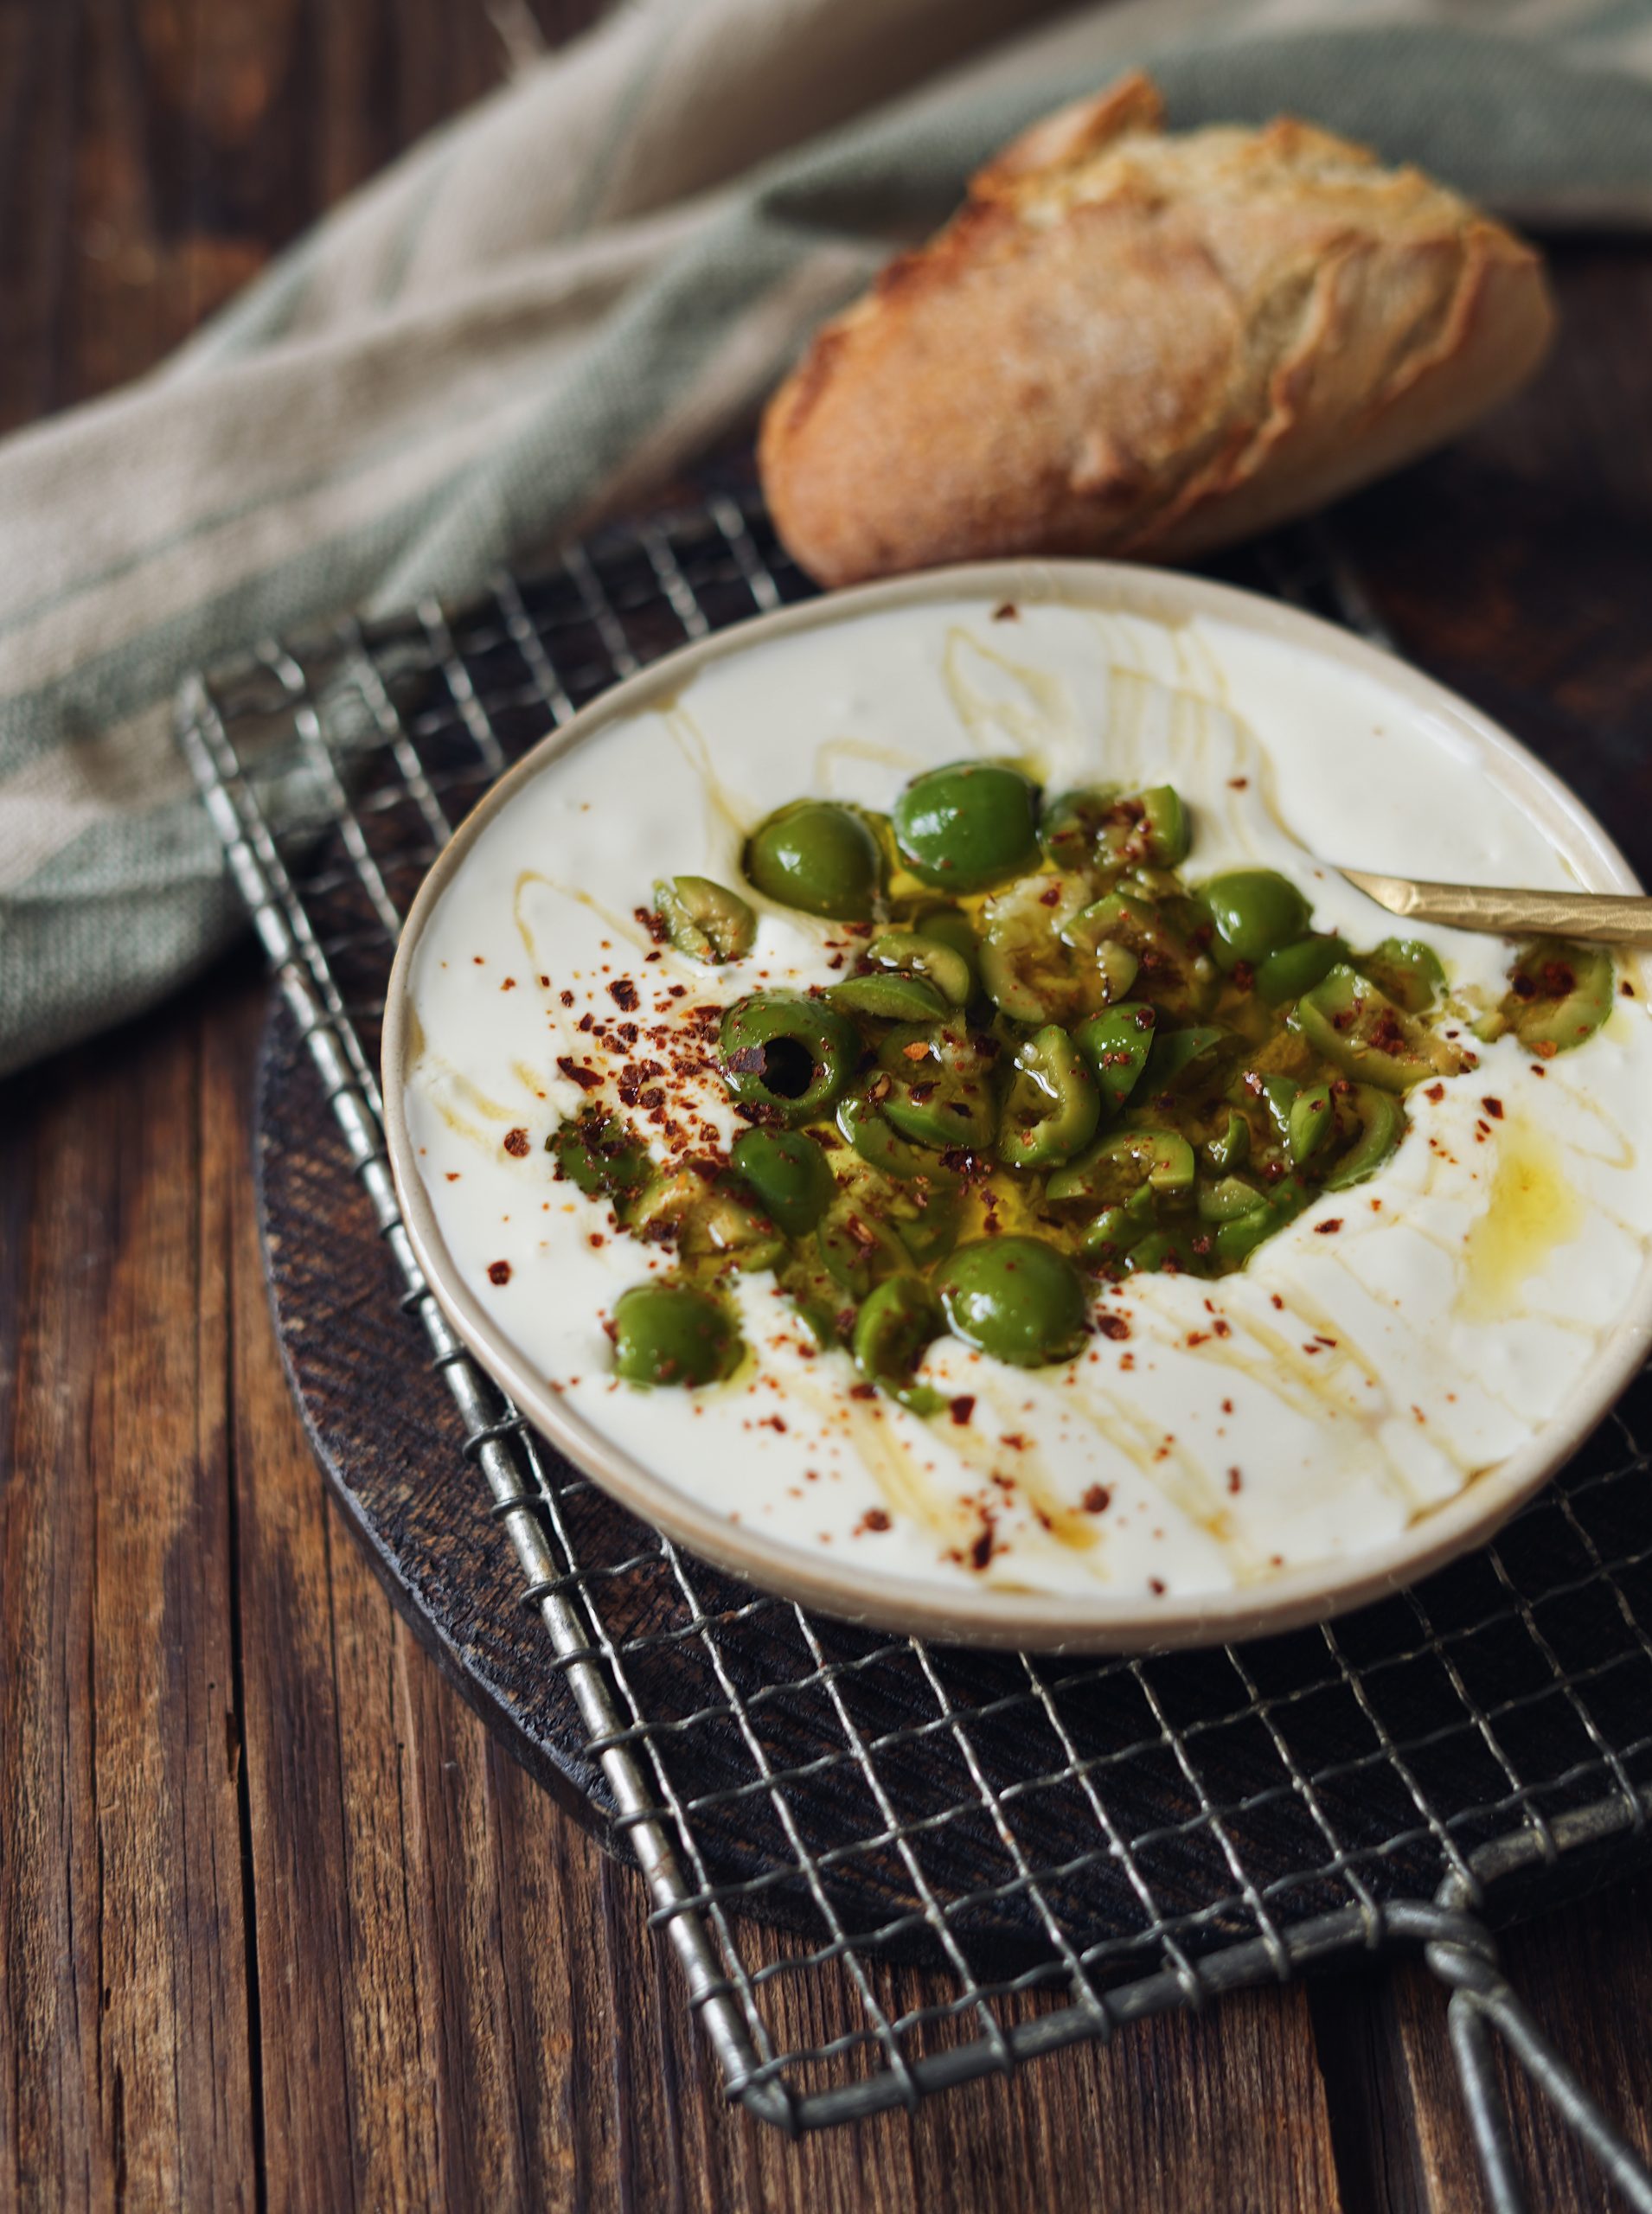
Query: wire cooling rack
[(1076, 1844)]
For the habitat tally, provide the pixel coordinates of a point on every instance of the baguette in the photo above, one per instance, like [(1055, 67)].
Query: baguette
[(1133, 343)]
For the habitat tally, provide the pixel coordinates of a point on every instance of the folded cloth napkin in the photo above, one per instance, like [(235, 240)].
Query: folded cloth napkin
[(556, 300)]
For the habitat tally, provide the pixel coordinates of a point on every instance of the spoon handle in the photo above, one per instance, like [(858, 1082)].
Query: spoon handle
[(1608, 918)]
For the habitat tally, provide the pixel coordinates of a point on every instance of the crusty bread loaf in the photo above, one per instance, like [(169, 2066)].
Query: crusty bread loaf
[(1126, 342)]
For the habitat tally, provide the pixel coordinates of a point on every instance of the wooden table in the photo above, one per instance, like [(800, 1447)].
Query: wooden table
[(280, 1925)]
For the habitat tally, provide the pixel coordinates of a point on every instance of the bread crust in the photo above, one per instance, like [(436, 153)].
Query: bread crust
[(1130, 342)]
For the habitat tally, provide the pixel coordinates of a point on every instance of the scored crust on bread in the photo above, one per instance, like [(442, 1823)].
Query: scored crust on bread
[(1130, 342)]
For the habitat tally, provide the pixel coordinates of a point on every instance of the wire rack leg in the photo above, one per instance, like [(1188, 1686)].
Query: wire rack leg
[(1482, 2000)]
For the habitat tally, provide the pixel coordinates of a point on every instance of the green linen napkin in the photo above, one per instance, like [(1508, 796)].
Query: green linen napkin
[(553, 301)]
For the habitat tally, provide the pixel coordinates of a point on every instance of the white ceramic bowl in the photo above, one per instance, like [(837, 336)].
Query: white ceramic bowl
[(844, 1586)]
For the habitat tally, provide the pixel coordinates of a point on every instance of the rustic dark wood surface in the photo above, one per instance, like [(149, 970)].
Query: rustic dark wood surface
[(280, 1925)]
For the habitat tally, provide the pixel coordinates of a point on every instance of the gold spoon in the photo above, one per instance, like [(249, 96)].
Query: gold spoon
[(1608, 918)]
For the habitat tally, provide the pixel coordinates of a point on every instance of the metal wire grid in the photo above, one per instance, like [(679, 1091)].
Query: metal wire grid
[(1078, 1843)]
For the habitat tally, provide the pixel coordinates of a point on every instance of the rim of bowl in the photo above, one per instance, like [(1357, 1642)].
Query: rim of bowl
[(1103, 1621)]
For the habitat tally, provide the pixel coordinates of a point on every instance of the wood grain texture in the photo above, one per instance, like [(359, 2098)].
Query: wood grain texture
[(280, 1925)]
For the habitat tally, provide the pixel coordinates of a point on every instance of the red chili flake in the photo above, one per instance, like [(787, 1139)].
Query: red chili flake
[(499, 1272), (1052, 898), (1112, 1326), (1127, 1360), (1275, 1297), (1228, 1406), (1156, 1585), (1007, 613), (588, 1023), (623, 993), (566, 998), (1015, 1442), (1097, 1500), (517, 1144), (773, 1421), (961, 1408), (545, 983), (875, 1520), (1494, 1108), (479, 960), (597, 1239), (586, 1078), (654, 924), (1234, 1480), (1222, 1327), (510, 984), (1328, 1228), (1237, 783), (981, 1551), (917, 1051), (1545, 1049), (863, 1392), (1627, 989), (454, 1175)]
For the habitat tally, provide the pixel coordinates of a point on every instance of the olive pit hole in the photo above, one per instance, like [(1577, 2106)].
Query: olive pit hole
[(788, 1068)]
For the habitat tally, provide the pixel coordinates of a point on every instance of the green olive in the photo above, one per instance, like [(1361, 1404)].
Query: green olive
[(1309, 1124), (1233, 1241), (1408, 971), (1290, 970), (1170, 970), (704, 918), (1069, 824), (1362, 1031), (1116, 1164), (1052, 1106), (1029, 968), (857, 1247), (601, 1155), (786, 1054), (1116, 1043), (1231, 1147), (819, 857), (1119, 1227), (788, 1173), (667, 1332), (1166, 1248), (1015, 1299), (916, 953), (1176, 1052), (1255, 910), (707, 1221), (879, 1144), (889, 996), (940, 1091), (1378, 1123), (1560, 994), (1165, 822), (1227, 1199), (967, 826), (900, 1318)]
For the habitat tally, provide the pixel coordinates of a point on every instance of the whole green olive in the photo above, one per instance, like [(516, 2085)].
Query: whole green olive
[(1015, 1299), (895, 1325), (786, 1054), (967, 826), (789, 1175), (818, 857), (1255, 910), (667, 1332)]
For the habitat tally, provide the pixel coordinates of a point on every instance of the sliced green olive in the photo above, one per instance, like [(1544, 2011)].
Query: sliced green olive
[(882, 1145), (1231, 1242), (1175, 1051), (915, 953), (1408, 971), (1290, 970), (1070, 823), (704, 918), (857, 1248), (1015, 1299), (1116, 1164), (1116, 1043), (1168, 831), (788, 1173), (899, 1321), (1310, 1123), (890, 997), (1227, 1199), (952, 927), (708, 1219), (786, 1054), (1361, 1031), (1170, 970), (1231, 1147), (1029, 968), (939, 1088), (1052, 1106), (1559, 993), (601, 1155), (818, 857), (668, 1332), (1165, 1248), (1379, 1124), (1117, 967), (967, 826), (1117, 1228), (1255, 910)]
